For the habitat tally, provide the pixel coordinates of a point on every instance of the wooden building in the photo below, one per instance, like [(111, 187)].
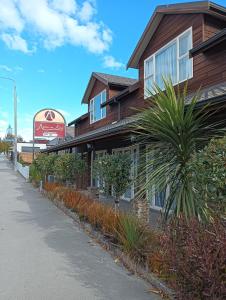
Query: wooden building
[(184, 41)]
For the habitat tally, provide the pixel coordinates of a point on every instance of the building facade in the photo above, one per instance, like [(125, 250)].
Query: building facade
[(184, 41)]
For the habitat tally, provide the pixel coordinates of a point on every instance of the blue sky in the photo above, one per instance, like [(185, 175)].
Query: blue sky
[(50, 47)]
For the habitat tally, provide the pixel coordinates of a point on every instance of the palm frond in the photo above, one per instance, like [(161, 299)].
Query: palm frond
[(172, 128)]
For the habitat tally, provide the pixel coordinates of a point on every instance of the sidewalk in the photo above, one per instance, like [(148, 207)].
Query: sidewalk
[(44, 255)]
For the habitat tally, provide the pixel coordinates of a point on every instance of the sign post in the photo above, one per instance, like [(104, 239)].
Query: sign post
[(48, 123)]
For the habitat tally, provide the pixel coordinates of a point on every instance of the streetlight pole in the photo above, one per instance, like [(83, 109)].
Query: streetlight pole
[(15, 118)]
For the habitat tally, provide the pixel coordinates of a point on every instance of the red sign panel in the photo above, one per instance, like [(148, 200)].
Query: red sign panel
[(46, 129), (49, 123)]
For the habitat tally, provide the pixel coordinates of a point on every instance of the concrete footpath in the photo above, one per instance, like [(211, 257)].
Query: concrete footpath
[(44, 255)]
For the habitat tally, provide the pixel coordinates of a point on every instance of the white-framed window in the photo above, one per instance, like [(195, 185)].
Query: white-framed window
[(172, 61), (98, 155), (133, 151), (96, 111), (157, 199)]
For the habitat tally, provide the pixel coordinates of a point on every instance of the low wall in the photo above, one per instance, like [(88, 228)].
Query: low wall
[(23, 170)]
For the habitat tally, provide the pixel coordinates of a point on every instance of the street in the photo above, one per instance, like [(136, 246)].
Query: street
[(45, 255)]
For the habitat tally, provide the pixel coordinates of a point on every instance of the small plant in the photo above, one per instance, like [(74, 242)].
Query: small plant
[(190, 256), (134, 237)]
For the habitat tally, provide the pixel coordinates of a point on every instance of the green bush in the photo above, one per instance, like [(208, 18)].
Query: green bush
[(68, 167), (134, 237), (208, 175), (34, 173), (113, 171)]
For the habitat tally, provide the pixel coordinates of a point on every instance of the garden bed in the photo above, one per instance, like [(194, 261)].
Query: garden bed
[(187, 257), (107, 241)]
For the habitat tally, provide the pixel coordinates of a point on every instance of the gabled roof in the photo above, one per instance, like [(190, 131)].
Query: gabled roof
[(209, 44), (205, 7), (122, 94), (108, 80), (81, 118)]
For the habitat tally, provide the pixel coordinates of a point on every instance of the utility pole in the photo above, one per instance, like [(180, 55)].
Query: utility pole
[(15, 118)]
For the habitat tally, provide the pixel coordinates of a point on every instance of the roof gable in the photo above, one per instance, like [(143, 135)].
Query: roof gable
[(204, 7), (107, 80)]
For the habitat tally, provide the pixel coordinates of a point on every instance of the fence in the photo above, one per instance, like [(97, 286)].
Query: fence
[(23, 170)]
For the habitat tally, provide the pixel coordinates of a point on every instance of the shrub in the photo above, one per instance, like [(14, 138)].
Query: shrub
[(195, 256), (189, 255), (174, 129), (69, 166), (113, 171), (34, 174), (134, 237), (208, 173)]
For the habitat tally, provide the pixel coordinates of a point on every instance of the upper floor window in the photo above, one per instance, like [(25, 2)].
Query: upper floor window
[(171, 61), (95, 109)]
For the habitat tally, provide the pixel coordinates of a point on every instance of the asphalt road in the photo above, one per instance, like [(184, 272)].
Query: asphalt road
[(45, 255)]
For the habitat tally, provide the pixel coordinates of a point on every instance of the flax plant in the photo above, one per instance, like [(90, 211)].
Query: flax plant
[(171, 129)]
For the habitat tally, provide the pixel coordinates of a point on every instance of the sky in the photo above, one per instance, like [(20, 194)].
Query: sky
[(51, 47)]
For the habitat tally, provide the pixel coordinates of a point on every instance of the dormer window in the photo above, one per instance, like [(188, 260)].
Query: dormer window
[(96, 111), (171, 61)]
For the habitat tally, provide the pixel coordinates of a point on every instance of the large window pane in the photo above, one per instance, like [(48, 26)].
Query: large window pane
[(149, 85), (97, 109), (160, 198), (91, 111), (185, 68), (184, 43), (103, 99), (166, 65), (149, 68)]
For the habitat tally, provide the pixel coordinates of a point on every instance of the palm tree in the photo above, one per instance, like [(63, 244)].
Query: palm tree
[(172, 129)]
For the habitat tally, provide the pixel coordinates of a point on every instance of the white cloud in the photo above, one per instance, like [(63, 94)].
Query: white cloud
[(64, 112), (5, 68), (111, 62), (3, 127), (87, 11), (10, 17), (41, 71), (15, 42), (52, 24), (65, 6), (19, 69), (11, 69)]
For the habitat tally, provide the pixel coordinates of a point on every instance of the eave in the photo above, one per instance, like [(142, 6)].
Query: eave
[(200, 7), (209, 44), (76, 121)]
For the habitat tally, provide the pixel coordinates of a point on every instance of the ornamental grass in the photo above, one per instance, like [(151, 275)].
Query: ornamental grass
[(190, 257)]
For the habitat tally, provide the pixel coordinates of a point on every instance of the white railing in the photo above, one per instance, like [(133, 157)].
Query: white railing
[(23, 170)]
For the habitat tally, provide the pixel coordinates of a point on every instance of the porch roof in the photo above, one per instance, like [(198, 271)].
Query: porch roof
[(214, 95), (118, 127), (210, 94), (209, 44)]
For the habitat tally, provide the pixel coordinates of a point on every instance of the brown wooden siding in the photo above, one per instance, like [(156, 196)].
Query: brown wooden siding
[(212, 26), (111, 111), (208, 69)]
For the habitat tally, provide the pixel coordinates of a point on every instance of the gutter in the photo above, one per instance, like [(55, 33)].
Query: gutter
[(209, 44)]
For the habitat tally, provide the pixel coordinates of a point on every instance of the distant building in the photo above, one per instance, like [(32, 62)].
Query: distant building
[(9, 137)]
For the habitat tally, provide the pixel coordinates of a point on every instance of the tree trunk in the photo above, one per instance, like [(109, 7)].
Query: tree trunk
[(141, 209)]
